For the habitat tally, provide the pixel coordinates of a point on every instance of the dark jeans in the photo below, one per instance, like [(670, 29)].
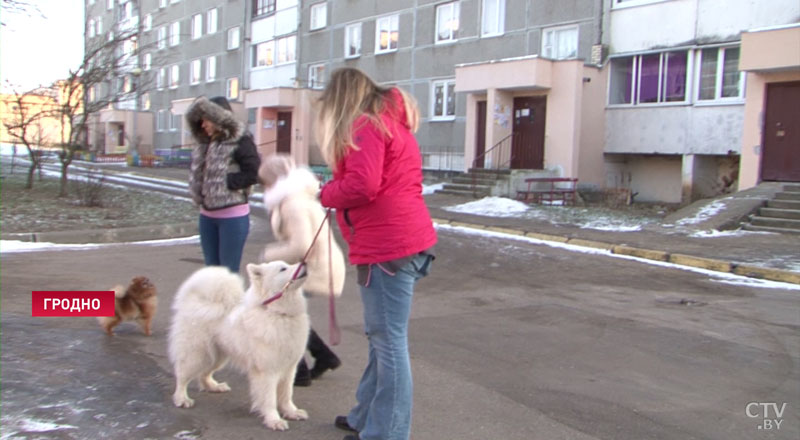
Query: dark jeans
[(222, 240)]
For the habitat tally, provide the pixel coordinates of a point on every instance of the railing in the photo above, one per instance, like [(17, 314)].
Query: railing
[(499, 150)]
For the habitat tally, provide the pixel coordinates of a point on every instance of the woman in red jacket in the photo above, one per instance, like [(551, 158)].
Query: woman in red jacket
[(366, 137)]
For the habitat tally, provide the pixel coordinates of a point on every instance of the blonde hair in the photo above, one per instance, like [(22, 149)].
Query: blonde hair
[(349, 94)]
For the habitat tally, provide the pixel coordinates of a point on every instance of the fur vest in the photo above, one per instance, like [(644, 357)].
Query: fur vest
[(295, 216), (223, 168)]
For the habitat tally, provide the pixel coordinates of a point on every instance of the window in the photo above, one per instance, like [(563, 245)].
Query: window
[(560, 43), (493, 17), (148, 61), (92, 95), (109, 4), (174, 76), (286, 49), (174, 121), (99, 25), (162, 37), (175, 33), (91, 2), (386, 34), (211, 69), (211, 20), (352, 41), (174, 1), (162, 3), (649, 79), (194, 72), (161, 79), (125, 11), (262, 7), (444, 100), (148, 23), (720, 77), (232, 88), (316, 76), (447, 22), (145, 101), (161, 120), (233, 38), (319, 15), (197, 26), (92, 28), (264, 54)]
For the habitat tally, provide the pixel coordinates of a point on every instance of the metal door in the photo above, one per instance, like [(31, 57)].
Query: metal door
[(284, 132), (527, 150), (480, 134), (781, 154)]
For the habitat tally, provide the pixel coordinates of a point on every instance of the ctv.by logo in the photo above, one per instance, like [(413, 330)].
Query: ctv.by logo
[(765, 411)]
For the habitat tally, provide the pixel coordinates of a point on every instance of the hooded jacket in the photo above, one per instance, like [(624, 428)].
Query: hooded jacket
[(377, 190), (295, 216), (223, 168)]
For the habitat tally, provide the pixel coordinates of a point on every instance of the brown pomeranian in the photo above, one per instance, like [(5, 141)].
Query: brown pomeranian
[(137, 302)]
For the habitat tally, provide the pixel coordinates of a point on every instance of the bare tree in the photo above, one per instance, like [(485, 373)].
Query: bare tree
[(19, 7), (104, 78), (24, 125)]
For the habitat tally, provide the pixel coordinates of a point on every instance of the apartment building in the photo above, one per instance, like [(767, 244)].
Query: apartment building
[(182, 49), (677, 94)]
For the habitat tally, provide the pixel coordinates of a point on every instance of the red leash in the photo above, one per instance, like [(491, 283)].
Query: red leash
[(333, 326)]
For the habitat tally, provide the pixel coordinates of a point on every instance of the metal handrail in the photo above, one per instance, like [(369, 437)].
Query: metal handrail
[(483, 156)]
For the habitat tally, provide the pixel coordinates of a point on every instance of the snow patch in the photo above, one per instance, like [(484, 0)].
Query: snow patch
[(491, 207)]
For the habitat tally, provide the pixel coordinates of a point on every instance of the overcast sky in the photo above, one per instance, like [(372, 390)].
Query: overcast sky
[(38, 50)]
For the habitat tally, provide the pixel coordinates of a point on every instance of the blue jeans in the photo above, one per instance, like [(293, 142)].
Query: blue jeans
[(222, 240), (385, 392)]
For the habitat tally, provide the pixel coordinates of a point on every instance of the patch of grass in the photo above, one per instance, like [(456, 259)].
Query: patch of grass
[(41, 210)]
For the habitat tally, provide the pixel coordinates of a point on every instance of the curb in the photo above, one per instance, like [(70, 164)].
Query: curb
[(117, 235), (764, 273)]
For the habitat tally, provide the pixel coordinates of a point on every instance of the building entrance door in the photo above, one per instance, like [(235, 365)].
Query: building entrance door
[(780, 158), (284, 132), (527, 149), (480, 134)]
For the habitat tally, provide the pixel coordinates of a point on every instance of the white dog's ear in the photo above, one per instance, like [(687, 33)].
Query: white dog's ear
[(254, 271)]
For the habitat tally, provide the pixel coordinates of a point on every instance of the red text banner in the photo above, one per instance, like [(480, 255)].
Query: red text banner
[(72, 303)]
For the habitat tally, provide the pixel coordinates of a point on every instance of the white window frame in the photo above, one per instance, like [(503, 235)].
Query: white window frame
[(229, 89), (175, 33), (636, 80), (498, 7), (161, 117), (172, 2), (286, 47), (454, 11), (550, 42), (267, 63), (161, 78), (718, 77), (99, 25), (211, 69), (174, 76), (162, 4), (91, 2), (350, 35), (92, 28), (109, 4), (147, 61), (392, 24), (234, 35), (197, 26), (445, 95), (195, 71), (162, 37), (174, 121), (319, 16), (145, 103), (316, 74), (147, 26), (212, 21)]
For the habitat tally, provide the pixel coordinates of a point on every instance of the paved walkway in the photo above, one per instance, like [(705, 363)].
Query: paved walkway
[(760, 255)]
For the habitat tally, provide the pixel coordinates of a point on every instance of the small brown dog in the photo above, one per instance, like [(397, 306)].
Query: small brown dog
[(137, 302)]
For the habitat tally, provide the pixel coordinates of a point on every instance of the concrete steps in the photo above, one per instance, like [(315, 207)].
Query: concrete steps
[(781, 214), (477, 183)]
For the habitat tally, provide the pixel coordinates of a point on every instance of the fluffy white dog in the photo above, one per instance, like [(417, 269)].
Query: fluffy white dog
[(215, 321)]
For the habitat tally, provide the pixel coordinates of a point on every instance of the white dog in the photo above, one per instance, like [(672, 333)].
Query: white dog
[(215, 320)]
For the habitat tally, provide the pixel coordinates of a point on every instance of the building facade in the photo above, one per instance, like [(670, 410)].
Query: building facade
[(648, 96)]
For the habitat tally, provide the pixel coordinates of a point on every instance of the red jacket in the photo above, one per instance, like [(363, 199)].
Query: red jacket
[(377, 191)]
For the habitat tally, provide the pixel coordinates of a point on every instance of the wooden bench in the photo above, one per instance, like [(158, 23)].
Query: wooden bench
[(550, 189)]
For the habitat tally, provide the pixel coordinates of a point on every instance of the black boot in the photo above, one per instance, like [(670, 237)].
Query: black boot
[(324, 358), (302, 378)]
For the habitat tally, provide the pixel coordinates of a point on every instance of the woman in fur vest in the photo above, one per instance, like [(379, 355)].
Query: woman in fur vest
[(224, 166), (290, 198)]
